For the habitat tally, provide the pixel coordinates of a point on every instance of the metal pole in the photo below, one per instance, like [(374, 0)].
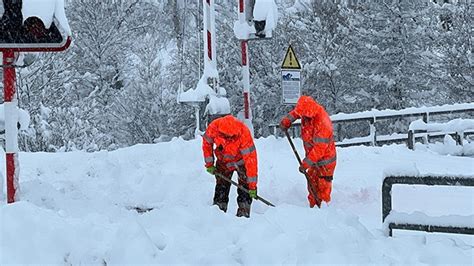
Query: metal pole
[(199, 32), (198, 118), (210, 60), (11, 129), (206, 8), (245, 70), (246, 79)]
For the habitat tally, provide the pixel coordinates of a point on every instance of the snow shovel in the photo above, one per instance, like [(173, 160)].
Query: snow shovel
[(244, 189), (311, 188)]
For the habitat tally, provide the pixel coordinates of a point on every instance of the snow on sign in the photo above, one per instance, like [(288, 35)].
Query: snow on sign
[(32, 25), (290, 77)]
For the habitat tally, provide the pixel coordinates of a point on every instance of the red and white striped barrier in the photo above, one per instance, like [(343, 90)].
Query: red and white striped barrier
[(11, 121), (210, 64), (245, 68)]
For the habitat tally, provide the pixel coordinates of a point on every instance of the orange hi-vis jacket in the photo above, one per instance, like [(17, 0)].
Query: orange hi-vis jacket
[(317, 135), (234, 147)]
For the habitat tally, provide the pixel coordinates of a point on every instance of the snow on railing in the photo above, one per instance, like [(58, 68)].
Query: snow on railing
[(418, 217), (412, 111), (419, 221), (373, 116), (457, 127)]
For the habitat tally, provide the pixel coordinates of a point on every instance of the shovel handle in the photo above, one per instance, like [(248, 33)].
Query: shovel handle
[(243, 188), (310, 185)]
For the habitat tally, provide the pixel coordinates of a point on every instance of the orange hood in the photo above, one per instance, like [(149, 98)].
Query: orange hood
[(229, 126), (307, 106)]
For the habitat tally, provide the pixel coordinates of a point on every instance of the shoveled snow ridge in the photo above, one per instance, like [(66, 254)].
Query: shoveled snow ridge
[(79, 208)]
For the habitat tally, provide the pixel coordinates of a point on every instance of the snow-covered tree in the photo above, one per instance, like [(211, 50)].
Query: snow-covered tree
[(456, 49), (117, 84)]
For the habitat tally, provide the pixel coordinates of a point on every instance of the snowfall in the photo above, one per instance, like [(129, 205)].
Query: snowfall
[(80, 208)]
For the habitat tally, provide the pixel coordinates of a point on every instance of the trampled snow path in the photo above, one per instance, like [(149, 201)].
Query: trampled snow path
[(74, 210)]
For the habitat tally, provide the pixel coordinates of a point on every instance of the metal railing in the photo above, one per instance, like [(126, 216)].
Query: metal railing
[(375, 115), (423, 180)]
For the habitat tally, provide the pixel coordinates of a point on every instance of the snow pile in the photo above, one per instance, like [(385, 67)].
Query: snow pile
[(409, 169), (79, 208), (266, 10), (242, 31), (448, 147), (455, 125), (360, 140), (23, 118), (47, 10), (217, 105), (421, 218), (199, 94)]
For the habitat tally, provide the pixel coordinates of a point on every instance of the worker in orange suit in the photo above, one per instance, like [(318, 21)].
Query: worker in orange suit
[(320, 150), (228, 146)]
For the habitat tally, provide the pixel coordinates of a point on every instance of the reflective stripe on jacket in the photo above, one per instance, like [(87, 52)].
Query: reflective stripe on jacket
[(317, 135), (230, 141)]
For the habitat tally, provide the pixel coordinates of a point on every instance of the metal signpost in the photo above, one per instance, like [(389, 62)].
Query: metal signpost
[(18, 34), (290, 77)]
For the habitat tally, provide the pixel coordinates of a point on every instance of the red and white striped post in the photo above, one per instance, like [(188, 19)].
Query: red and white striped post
[(245, 69), (210, 60), (11, 121), (246, 78), (207, 28)]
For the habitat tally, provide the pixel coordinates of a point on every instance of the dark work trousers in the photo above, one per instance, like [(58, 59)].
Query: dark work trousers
[(222, 189)]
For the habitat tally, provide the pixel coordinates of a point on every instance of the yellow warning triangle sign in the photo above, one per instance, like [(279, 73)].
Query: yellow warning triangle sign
[(290, 61)]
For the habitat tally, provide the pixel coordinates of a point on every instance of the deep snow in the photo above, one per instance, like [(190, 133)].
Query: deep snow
[(77, 208)]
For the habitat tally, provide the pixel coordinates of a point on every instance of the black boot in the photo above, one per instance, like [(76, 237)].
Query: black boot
[(243, 210), (221, 195), (221, 205)]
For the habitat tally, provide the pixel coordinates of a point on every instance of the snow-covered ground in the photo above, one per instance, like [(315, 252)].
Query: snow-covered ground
[(77, 208)]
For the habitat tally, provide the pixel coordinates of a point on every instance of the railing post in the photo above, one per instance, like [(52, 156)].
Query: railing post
[(387, 201), (461, 138), (387, 185), (386, 198), (458, 138), (426, 119), (373, 131), (411, 140), (426, 138)]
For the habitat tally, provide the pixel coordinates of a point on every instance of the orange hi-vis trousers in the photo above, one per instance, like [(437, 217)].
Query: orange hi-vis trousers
[(322, 185)]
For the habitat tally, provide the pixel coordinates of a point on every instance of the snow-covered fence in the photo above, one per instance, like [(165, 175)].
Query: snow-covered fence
[(419, 221), (457, 128), (374, 116)]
